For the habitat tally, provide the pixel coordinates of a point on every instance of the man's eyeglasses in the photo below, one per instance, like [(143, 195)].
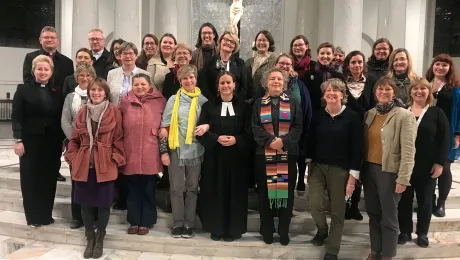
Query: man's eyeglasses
[(49, 37), (95, 39)]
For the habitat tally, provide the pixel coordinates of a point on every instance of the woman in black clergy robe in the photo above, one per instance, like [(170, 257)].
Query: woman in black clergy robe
[(223, 185)]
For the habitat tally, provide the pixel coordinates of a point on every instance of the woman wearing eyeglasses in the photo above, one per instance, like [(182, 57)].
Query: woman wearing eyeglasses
[(300, 50), (228, 44)]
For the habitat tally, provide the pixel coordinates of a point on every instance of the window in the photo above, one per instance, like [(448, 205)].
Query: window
[(22, 20), (447, 28)]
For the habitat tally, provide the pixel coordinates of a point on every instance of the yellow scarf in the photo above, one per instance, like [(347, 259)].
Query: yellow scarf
[(174, 126)]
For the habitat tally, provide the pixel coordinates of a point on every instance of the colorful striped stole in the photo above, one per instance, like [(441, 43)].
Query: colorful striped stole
[(276, 162)]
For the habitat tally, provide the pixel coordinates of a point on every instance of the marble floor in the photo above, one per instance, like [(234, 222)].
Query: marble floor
[(15, 248)]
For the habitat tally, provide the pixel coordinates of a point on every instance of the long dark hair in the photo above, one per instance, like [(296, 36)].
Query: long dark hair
[(199, 41), (346, 63), (112, 49), (451, 76), (143, 56)]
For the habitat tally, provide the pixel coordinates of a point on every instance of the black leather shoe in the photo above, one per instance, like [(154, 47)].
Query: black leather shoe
[(319, 238), (268, 239), (422, 241), (284, 240), (404, 238), (440, 210), (74, 224), (60, 177), (328, 256), (216, 237)]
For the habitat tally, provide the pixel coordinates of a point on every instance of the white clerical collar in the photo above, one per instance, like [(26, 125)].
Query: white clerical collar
[(98, 54), (227, 106)]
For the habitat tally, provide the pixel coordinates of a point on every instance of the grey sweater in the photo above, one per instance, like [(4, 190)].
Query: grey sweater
[(68, 116)]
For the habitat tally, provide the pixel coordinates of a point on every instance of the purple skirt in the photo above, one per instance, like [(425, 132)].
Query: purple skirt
[(92, 193)]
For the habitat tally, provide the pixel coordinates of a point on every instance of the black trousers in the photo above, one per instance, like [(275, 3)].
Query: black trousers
[(121, 191), (356, 197), (38, 167), (445, 182), (141, 205), (267, 226), (424, 194), (89, 213), (382, 208), (302, 167)]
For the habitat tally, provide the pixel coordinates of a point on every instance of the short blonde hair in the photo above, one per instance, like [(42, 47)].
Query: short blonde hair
[(336, 84), (234, 37), (181, 45), (418, 82), (42, 58), (186, 70), (85, 67), (97, 30)]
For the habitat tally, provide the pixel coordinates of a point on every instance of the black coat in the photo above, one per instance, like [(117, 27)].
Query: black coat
[(37, 110), (208, 76), (264, 138), (104, 64), (63, 67), (366, 101), (314, 79), (69, 85), (171, 85), (431, 145), (223, 183), (377, 68)]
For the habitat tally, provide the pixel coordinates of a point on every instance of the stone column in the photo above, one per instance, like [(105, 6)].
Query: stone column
[(348, 21), (64, 27), (392, 21), (415, 32), (325, 22), (85, 18), (307, 22), (166, 17), (128, 21)]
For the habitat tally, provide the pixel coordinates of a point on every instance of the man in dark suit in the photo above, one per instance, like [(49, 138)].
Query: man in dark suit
[(103, 60), (63, 66)]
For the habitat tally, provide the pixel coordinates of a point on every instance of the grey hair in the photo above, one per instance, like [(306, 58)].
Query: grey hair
[(266, 75), (85, 67), (97, 30), (141, 75), (126, 46), (336, 84)]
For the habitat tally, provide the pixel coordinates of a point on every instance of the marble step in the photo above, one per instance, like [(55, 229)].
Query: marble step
[(11, 200), (443, 244), (9, 179)]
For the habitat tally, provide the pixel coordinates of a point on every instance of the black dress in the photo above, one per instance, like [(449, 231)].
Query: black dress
[(223, 185), (37, 121)]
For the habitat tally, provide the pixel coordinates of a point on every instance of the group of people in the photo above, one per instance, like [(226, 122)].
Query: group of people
[(215, 125)]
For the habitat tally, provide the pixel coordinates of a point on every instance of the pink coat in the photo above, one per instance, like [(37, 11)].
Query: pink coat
[(141, 123)]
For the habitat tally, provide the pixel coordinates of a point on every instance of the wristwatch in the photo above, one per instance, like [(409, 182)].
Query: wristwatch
[(18, 140)]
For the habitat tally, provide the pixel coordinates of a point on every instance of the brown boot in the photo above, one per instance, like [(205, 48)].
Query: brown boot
[(98, 248), (373, 256), (90, 238)]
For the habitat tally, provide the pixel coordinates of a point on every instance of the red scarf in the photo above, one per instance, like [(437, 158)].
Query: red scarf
[(302, 66)]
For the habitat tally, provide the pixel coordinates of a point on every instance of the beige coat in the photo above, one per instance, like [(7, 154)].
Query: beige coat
[(398, 142), (115, 81), (158, 70)]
